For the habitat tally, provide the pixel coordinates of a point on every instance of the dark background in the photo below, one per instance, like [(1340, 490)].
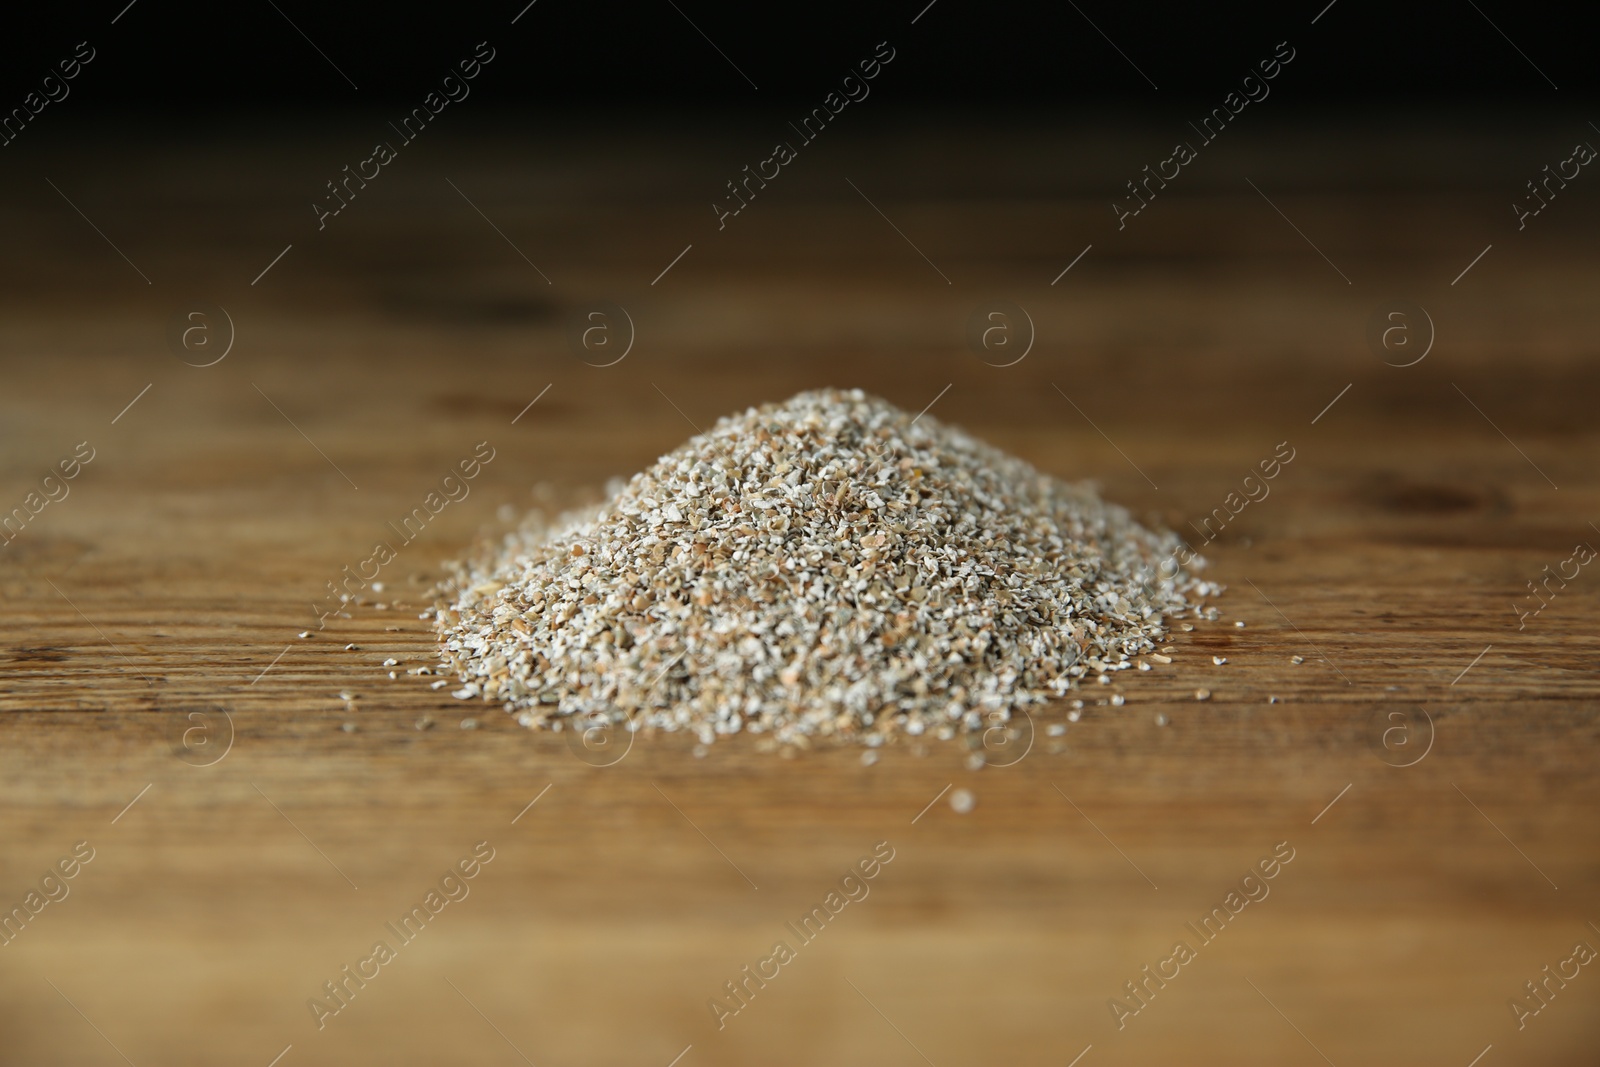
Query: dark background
[(161, 58)]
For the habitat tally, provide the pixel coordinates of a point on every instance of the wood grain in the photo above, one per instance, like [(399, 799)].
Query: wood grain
[(154, 612)]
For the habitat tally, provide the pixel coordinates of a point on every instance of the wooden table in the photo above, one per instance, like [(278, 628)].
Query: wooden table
[(253, 832)]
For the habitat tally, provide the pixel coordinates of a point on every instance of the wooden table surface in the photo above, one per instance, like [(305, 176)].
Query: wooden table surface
[(1431, 762)]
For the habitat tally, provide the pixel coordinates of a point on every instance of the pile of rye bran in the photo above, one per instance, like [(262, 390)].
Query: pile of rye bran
[(825, 567)]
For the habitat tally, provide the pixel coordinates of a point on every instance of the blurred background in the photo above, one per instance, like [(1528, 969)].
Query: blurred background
[(277, 268)]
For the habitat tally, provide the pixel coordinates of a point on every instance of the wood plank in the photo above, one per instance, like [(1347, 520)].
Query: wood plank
[(158, 606)]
